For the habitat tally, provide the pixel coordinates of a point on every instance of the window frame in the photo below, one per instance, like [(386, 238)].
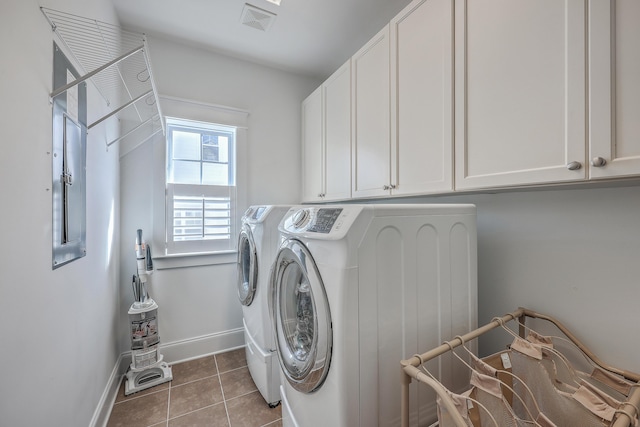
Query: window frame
[(172, 106), (187, 247)]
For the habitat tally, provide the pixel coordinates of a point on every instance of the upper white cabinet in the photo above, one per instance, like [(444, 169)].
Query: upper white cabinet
[(614, 83), (403, 101), (336, 92), (520, 102), (422, 98), (460, 95), (326, 135), (370, 124)]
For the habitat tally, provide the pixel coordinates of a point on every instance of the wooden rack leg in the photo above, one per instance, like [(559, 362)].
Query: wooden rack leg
[(404, 415)]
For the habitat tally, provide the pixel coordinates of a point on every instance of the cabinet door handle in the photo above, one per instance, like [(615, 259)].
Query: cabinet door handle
[(574, 166), (598, 162), (393, 186), (320, 195), (386, 187)]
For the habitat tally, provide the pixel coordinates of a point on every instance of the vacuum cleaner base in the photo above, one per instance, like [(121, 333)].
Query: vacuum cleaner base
[(138, 380)]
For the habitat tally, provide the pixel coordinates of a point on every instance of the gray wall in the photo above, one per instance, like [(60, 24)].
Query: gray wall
[(58, 328), (571, 253)]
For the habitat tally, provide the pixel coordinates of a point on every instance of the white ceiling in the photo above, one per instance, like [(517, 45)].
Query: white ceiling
[(310, 37)]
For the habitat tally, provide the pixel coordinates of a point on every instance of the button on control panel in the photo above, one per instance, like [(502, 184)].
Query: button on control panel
[(324, 220)]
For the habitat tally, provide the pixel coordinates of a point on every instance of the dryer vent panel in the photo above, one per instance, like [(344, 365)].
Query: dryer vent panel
[(257, 18)]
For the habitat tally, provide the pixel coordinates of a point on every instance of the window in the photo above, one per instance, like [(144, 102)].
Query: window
[(200, 187)]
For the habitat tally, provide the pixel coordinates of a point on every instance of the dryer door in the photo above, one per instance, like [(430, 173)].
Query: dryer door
[(247, 266), (301, 317)]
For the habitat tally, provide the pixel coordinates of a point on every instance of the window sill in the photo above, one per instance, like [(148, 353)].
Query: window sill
[(165, 262)]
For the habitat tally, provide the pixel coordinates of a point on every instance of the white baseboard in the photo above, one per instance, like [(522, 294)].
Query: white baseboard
[(191, 348), (103, 410), (173, 352)]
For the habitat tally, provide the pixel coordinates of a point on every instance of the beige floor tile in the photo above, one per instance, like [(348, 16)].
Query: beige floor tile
[(194, 398), (231, 360), (251, 410), (194, 395), (193, 370), (211, 416), (142, 411), (121, 397), (236, 383)]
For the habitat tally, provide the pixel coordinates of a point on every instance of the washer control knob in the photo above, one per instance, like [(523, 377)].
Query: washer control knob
[(300, 218)]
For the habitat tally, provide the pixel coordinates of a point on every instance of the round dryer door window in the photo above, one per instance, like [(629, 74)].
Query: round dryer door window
[(247, 266), (301, 316)]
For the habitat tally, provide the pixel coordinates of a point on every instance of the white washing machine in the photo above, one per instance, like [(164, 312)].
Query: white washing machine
[(357, 288), (257, 247)]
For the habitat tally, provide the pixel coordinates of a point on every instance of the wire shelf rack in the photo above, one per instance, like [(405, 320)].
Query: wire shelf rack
[(117, 62)]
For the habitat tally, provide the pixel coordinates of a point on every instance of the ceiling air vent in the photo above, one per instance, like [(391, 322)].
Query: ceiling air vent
[(257, 18)]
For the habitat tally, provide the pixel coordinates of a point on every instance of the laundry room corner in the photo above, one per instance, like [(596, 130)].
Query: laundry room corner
[(199, 312)]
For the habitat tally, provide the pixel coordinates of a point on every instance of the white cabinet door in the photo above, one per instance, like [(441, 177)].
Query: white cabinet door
[(370, 124), (520, 79), (422, 98), (336, 92), (614, 83), (312, 148)]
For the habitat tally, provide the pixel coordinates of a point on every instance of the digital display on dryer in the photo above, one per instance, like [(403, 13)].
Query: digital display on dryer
[(325, 218)]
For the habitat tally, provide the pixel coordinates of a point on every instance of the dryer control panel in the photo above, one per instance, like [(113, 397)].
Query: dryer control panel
[(320, 222), (256, 214), (324, 220)]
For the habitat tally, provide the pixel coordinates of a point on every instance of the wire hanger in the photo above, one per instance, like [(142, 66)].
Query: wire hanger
[(614, 381), (604, 401), (571, 371), (469, 398), (502, 371), (502, 383)]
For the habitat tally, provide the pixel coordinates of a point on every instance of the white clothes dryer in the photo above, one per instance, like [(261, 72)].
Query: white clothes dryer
[(257, 246), (357, 288)]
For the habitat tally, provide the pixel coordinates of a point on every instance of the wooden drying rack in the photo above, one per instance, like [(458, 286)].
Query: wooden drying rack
[(410, 368)]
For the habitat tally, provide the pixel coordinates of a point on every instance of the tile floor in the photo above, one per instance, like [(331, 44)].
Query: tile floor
[(213, 391)]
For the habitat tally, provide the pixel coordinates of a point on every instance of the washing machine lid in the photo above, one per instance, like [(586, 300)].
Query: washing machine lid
[(247, 276), (301, 317)]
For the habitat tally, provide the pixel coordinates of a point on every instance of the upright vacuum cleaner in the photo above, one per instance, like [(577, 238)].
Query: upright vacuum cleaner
[(147, 368)]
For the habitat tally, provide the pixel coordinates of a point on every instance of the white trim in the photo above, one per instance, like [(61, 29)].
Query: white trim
[(191, 348), (204, 104), (103, 410), (203, 112), (194, 259)]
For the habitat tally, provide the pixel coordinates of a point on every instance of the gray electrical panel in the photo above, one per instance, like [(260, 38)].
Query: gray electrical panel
[(69, 163)]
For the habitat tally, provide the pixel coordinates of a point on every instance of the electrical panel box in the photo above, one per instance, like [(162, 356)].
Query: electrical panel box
[(68, 163)]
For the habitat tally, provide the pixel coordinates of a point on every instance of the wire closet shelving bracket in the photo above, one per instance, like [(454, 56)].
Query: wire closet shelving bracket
[(118, 64)]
